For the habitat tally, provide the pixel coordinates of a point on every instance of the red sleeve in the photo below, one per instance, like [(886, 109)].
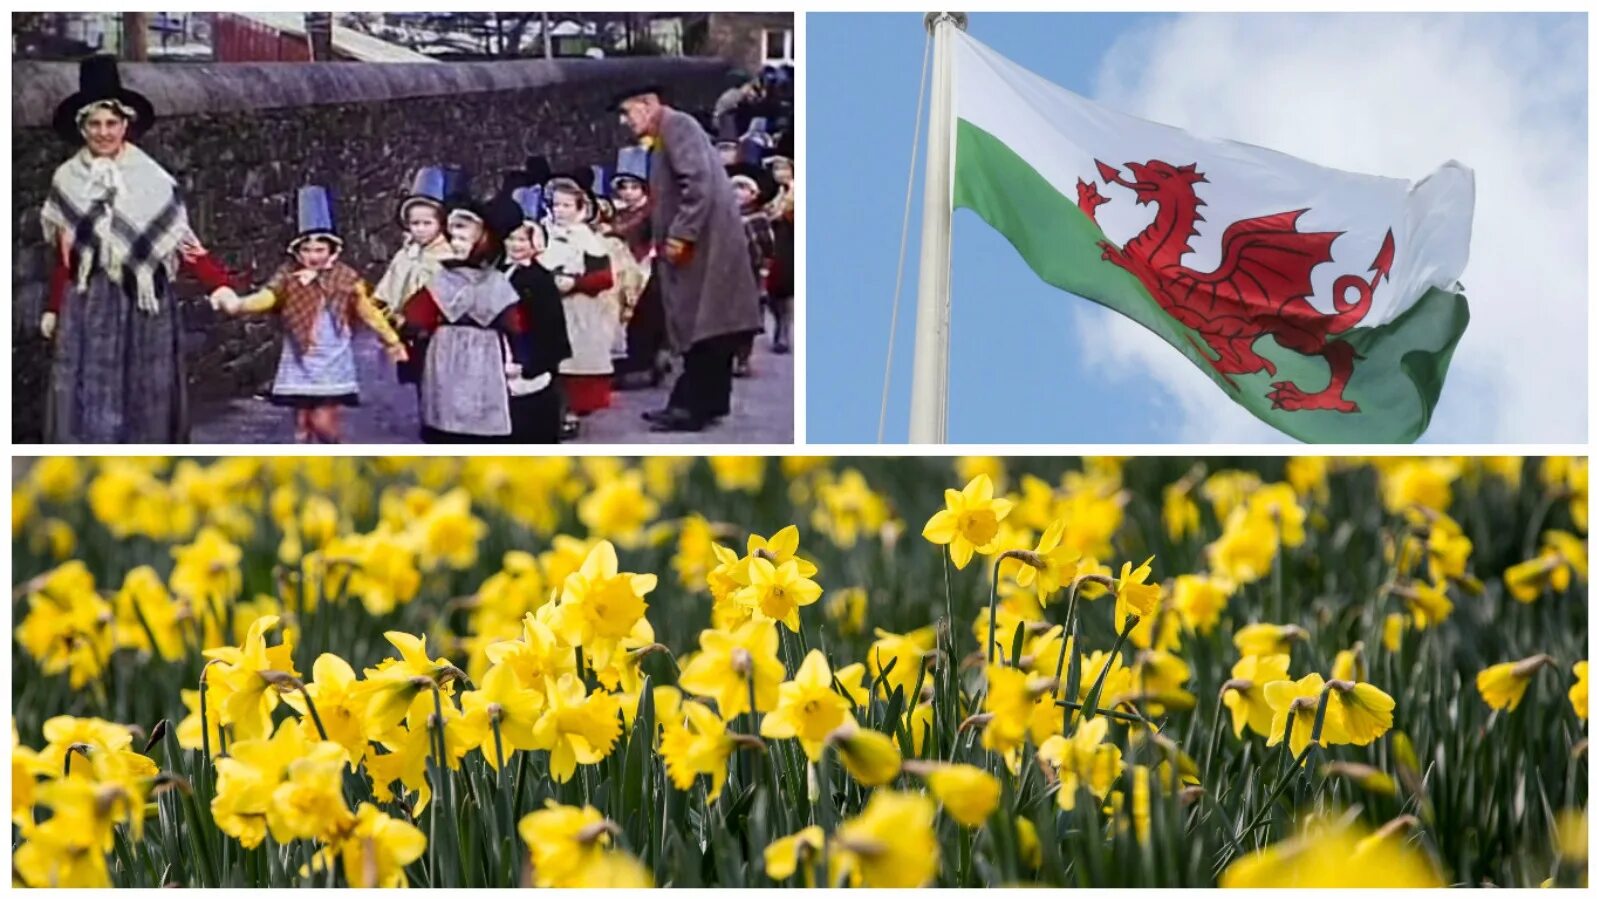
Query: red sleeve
[(595, 282), (60, 277), (514, 320), (421, 312), (208, 272)]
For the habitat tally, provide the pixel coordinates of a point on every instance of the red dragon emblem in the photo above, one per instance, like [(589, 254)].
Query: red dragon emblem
[(1260, 287)]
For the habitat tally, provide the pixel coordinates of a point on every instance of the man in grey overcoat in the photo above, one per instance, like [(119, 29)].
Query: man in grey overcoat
[(707, 285)]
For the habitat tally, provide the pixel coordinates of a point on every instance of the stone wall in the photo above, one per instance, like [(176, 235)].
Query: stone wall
[(241, 139)]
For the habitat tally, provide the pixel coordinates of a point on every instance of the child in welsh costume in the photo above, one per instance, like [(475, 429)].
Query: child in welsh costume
[(120, 234), (426, 246), (469, 314), (321, 301), (755, 190), (779, 281), (647, 357), (535, 357), (618, 226), (581, 266)]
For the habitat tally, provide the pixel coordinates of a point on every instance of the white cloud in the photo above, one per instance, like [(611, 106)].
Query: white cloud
[(1398, 95)]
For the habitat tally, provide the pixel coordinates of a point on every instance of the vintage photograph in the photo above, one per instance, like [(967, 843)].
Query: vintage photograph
[(748, 671), (403, 227)]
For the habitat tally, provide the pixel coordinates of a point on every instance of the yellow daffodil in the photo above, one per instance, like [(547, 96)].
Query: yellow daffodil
[(600, 605), (1009, 703), (871, 758), (1503, 685), (1266, 639), (784, 857), (892, 843), (693, 741), (779, 549), (845, 609), (807, 707), (1083, 761), (338, 706), (745, 473), (778, 592), (1059, 563), (618, 509), (969, 523), (564, 841), (1332, 857), (1363, 712), (1199, 600), (969, 794), (501, 716), (1179, 513), (576, 727), (895, 660), (728, 661), (1246, 549), (376, 849), (1299, 700), (848, 509)]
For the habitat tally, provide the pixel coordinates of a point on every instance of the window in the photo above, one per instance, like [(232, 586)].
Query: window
[(778, 46)]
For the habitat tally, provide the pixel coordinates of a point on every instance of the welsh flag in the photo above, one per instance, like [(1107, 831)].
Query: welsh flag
[(1326, 302)]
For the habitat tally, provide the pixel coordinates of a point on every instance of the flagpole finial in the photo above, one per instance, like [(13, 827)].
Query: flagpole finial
[(958, 19)]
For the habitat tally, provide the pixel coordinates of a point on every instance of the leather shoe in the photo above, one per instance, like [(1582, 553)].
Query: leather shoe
[(656, 415), (678, 420)]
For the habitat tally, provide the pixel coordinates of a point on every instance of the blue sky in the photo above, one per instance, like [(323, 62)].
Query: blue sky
[(1032, 364)]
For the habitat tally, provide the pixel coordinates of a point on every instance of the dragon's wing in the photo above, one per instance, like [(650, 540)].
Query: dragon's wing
[(1265, 263)]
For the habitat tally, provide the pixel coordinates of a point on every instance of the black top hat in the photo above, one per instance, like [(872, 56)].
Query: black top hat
[(637, 90), (501, 215), (99, 80), (764, 184)]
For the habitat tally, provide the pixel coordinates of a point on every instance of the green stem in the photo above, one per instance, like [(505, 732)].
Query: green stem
[(992, 617), (1103, 673), (315, 717), (1112, 713)]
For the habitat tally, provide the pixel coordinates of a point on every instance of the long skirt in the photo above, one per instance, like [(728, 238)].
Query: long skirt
[(117, 373)]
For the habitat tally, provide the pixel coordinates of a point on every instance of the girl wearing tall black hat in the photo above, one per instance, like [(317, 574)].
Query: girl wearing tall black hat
[(321, 300), (120, 233)]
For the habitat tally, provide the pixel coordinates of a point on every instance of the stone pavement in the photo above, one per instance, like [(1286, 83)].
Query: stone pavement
[(762, 410)]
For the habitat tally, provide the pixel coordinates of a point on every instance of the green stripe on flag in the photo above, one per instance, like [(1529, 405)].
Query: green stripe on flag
[(1395, 382)]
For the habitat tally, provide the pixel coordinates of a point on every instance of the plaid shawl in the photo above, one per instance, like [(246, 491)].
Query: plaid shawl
[(123, 216), (301, 299)]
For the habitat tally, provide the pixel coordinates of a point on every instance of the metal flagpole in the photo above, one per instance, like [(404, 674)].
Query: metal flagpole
[(928, 399)]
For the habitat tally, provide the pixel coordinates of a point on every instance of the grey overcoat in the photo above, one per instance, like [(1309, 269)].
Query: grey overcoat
[(715, 293)]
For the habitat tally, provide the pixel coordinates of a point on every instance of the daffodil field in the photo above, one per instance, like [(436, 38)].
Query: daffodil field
[(754, 672)]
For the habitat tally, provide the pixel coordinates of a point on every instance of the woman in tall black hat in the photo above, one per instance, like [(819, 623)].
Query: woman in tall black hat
[(120, 232)]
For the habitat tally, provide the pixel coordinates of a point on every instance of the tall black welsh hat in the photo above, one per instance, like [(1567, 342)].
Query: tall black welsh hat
[(99, 81)]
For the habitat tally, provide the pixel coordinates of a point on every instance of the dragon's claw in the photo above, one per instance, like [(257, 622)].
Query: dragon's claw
[(1290, 397)]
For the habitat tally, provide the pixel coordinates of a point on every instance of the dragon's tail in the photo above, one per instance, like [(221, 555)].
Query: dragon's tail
[(1349, 314)]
